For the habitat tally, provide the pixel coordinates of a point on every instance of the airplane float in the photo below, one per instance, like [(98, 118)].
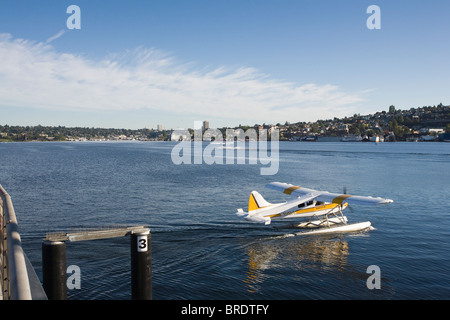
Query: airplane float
[(321, 210)]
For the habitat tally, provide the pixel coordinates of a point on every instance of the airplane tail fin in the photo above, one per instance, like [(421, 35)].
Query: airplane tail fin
[(256, 201)]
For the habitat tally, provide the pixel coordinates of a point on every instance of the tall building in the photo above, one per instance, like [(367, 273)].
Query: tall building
[(160, 127), (205, 125)]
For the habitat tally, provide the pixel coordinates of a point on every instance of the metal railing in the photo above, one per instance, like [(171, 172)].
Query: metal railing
[(15, 284)]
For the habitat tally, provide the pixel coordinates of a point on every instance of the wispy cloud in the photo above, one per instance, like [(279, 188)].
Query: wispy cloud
[(34, 74), (56, 36)]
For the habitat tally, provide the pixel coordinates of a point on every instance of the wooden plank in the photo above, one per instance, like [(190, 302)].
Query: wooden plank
[(92, 234)]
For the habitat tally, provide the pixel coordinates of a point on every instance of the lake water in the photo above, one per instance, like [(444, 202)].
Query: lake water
[(202, 250)]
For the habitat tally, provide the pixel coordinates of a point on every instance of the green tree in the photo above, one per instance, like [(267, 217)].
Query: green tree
[(59, 137), (393, 125)]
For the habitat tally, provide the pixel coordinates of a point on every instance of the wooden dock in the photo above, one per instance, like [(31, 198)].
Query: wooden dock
[(18, 280), (95, 234)]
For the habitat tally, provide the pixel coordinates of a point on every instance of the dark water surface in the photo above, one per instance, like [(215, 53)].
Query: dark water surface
[(202, 250)]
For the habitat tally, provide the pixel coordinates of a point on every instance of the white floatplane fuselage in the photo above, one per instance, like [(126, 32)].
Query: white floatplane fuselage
[(262, 211)]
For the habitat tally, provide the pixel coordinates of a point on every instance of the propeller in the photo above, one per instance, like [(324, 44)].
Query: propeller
[(348, 206)]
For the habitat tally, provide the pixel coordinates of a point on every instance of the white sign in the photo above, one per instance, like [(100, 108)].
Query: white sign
[(142, 243)]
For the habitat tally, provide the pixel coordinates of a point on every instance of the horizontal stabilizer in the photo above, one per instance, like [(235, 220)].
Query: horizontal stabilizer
[(241, 213), (253, 218), (258, 219)]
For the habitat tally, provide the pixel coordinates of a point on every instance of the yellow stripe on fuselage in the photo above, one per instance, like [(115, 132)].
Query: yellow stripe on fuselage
[(317, 208), (307, 210)]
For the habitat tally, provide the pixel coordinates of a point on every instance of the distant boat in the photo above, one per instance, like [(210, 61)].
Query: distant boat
[(352, 138), (427, 138), (309, 138)]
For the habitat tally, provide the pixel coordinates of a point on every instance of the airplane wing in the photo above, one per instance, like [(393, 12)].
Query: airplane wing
[(326, 196)]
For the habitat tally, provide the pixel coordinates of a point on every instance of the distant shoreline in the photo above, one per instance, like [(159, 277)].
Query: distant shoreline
[(324, 139), (424, 123)]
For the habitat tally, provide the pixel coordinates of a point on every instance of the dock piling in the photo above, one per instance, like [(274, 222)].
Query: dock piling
[(141, 266), (54, 269), (54, 259)]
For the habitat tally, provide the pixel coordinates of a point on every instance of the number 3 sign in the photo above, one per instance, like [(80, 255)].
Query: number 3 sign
[(142, 243)]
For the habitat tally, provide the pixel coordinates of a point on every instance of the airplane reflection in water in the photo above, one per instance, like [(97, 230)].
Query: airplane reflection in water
[(324, 253)]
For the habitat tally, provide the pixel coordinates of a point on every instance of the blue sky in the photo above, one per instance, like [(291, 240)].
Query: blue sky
[(136, 64)]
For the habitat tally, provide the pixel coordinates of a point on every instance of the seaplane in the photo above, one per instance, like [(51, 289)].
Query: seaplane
[(321, 211)]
